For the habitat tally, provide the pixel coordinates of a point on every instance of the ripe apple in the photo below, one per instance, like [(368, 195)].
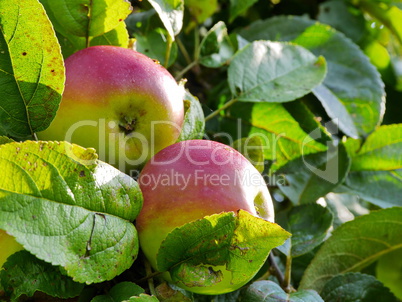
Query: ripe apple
[(121, 103), (8, 246), (193, 179)]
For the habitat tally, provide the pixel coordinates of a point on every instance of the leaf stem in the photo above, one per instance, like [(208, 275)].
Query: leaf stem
[(286, 282), (150, 278), (168, 50), (185, 69), (183, 50), (217, 111), (275, 269)]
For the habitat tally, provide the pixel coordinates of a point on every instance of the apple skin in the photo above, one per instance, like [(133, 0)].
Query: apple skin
[(9, 246), (119, 102), (212, 170)]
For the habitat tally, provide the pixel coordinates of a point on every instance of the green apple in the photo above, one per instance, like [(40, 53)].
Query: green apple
[(8, 246), (120, 102), (193, 179)]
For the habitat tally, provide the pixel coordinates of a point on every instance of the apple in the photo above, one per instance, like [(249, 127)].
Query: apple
[(193, 179), (8, 246), (120, 102)]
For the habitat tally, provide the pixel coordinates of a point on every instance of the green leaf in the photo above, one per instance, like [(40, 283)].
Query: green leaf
[(354, 245), (201, 10), (69, 209), (389, 15), (154, 45), (251, 147), (116, 37), (355, 287), (143, 298), (194, 122), (31, 69), (345, 207), (309, 226), (24, 274), (86, 18), (5, 140), (312, 176), (268, 291), (352, 92), (389, 271), (216, 47), (344, 17), (282, 137), (237, 7), (240, 242), (171, 293), (122, 291), (171, 13), (265, 71), (376, 171)]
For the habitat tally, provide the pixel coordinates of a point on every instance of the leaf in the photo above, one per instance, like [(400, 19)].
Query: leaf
[(154, 45), (309, 226), (251, 147), (24, 274), (31, 69), (345, 207), (122, 291), (282, 137), (265, 71), (5, 140), (116, 37), (238, 7), (171, 13), (86, 18), (69, 209), (172, 293), (201, 10), (389, 271), (194, 122), (389, 15), (376, 171), (343, 17), (355, 287), (312, 176), (216, 47), (354, 245), (240, 242), (143, 298), (352, 92), (268, 291)]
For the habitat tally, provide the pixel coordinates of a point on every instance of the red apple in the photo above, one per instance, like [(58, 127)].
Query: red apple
[(190, 180), (119, 102)]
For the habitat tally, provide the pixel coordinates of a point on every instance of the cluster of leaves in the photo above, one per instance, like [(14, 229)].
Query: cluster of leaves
[(309, 92)]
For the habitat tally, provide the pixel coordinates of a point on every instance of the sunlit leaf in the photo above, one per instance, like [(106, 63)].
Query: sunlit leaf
[(31, 69), (376, 171), (69, 209), (355, 245), (266, 71), (352, 92)]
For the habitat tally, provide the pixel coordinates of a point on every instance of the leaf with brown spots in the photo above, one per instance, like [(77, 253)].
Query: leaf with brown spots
[(31, 69)]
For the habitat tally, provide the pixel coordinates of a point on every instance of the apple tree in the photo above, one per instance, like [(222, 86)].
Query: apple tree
[(304, 94)]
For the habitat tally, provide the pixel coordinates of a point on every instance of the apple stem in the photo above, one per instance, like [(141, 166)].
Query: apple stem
[(217, 111)]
